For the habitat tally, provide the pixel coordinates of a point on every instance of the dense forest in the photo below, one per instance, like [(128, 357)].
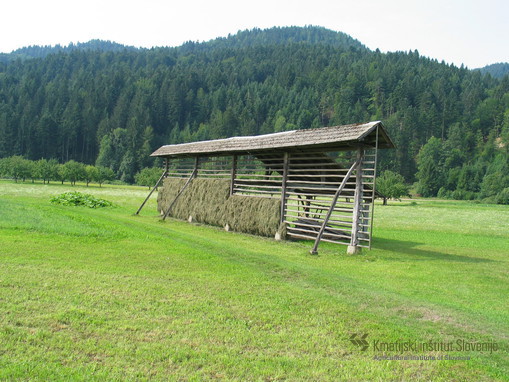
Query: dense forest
[(109, 106), (497, 70)]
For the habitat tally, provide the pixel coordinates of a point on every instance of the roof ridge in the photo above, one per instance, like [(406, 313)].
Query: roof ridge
[(328, 135)]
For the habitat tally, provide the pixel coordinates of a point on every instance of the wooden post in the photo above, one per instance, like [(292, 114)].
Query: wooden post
[(157, 185), (283, 187), (314, 251), (234, 173), (374, 191), (193, 175), (353, 248)]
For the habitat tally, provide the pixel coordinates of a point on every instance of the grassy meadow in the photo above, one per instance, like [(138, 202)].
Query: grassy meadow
[(101, 294)]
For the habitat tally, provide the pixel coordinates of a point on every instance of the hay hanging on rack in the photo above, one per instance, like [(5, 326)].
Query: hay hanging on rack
[(208, 201)]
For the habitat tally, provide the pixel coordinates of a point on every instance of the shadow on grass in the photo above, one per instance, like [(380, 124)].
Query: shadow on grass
[(409, 248)]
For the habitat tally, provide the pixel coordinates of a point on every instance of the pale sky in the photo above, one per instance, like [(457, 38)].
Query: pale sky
[(470, 32)]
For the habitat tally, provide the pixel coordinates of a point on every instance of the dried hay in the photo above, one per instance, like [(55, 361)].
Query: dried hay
[(208, 201), (259, 216)]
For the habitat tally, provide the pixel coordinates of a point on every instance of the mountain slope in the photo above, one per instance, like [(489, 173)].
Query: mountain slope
[(285, 35), (498, 70), (36, 51), (115, 107)]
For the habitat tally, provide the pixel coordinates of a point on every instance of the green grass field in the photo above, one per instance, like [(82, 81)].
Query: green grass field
[(100, 294)]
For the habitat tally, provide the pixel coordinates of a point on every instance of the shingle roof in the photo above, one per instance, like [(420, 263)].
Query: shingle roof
[(334, 137)]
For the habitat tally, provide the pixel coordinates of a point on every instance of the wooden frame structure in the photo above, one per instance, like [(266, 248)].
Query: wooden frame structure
[(324, 178)]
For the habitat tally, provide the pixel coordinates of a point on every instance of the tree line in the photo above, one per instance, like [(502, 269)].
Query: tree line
[(449, 169), (20, 169), (113, 108)]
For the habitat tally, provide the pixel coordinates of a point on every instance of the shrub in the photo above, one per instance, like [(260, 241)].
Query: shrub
[(463, 195), (503, 196), (493, 184), (443, 193), (148, 176), (76, 198)]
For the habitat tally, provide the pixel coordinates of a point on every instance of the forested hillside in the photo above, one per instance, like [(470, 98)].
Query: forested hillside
[(497, 70), (114, 107), (36, 51)]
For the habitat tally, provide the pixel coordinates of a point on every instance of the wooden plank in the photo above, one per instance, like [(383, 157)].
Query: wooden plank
[(241, 175), (316, 194), (336, 215), (309, 163), (301, 236), (214, 176), (317, 182), (297, 225), (215, 171), (331, 221), (323, 239), (256, 187), (254, 182), (317, 201), (324, 170), (319, 213), (256, 196), (311, 188)]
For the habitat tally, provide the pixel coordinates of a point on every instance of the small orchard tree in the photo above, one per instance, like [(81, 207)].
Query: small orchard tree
[(91, 174), (17, 167), (46, 169), (391, 185), (32, 167), (104, 174), (148, 176), (53, 166), (74, 171), (40, 169), (60, 174)]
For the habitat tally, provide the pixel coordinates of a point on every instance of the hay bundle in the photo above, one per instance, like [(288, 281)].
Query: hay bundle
[(208, 201), (203, 199), (259, 216)]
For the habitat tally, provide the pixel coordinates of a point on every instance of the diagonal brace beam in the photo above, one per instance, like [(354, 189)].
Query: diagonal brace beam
[(193, 175), (152, 190), (314, 251)]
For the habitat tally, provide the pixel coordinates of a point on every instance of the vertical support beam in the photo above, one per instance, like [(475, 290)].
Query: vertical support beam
[(234, 173), (314, 251), (283, 187), (196, 163), (193, 175), (374, 190), (164, 174), (353, 248)]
